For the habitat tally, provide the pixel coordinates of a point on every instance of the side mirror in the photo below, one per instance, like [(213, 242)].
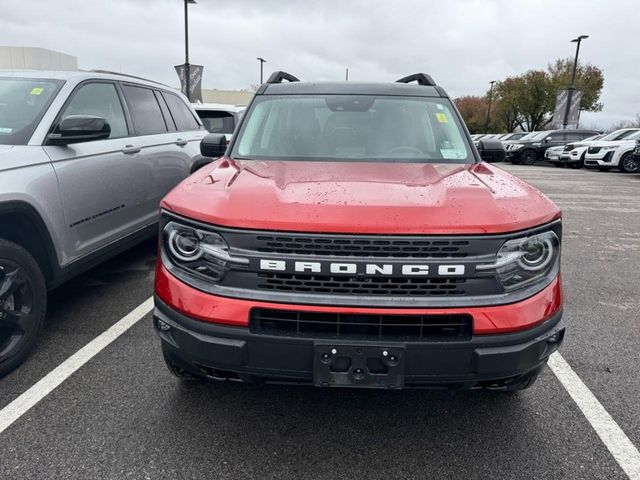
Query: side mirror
[(491, 150), (213, 145), (79, 128), (547, 139)]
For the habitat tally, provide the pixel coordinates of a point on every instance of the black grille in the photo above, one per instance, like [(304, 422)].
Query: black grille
[(594, 149), (356, 326), (346, 285), (362, 247)]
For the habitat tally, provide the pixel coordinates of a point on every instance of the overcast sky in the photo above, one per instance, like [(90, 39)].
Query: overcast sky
[(463, 44)]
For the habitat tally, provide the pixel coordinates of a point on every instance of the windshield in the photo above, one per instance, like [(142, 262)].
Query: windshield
[(23, 101), (530, 135), (618, 134), (634, 135), (595, 137), (516, 136), (352, 128)]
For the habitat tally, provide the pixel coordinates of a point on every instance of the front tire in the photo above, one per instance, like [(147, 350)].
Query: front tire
[(23, 305), (628, 164), (528, 157)]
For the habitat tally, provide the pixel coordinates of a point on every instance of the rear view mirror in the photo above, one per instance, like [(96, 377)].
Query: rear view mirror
[(491, 150), (79, 128), (213, 145)]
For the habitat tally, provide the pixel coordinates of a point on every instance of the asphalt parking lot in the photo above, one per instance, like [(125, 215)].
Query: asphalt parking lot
[(122, 415)]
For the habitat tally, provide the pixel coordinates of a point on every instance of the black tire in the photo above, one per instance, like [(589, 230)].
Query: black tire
[(179, 372), (23, 305), (528, 157), (577, 165), (628, 164), (523, 383), (604, 169)]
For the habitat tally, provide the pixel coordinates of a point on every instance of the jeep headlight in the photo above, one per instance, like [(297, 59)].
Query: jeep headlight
[(196, 251), (517, 146), (611, 147), (524, 261)]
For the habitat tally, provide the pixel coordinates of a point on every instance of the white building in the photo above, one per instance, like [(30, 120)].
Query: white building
[(34, 58)]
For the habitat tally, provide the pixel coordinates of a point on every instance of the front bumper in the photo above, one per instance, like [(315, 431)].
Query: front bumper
[(225, 352), (601, 159)]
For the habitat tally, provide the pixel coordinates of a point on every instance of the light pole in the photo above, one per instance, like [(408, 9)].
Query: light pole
[(262, 62), (577, 41), (187, 67), (486, 125)]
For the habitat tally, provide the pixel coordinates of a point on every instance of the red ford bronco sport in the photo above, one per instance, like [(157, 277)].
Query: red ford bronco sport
[(350, 235)]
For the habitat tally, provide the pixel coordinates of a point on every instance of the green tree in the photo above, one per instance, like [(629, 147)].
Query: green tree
[(589, 80), (506, 112)]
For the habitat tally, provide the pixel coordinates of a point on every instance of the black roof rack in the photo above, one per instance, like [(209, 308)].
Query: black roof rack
[(279, 76), (127, 75), (421, 78)]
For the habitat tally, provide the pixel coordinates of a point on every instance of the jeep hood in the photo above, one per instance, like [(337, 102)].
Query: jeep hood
[(360, 197)]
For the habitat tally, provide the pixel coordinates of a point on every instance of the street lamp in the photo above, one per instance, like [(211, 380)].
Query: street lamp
[(486, 126), (187, 67), (262, 62), (577, 41)]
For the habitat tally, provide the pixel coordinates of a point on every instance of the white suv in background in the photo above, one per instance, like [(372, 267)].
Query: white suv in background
[(219, 117), (606, 155)]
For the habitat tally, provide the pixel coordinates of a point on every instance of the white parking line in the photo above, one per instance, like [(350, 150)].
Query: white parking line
[(625, 452), (53, 379)]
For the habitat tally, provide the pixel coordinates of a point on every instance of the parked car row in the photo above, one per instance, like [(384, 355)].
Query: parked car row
[(572, 148)]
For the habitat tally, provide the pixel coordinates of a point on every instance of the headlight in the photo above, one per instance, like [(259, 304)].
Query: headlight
[(524, 261), (612, 147), (196, 251), (516, 146)]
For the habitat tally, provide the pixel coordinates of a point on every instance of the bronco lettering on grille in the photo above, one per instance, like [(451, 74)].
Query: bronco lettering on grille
[(363, 268)]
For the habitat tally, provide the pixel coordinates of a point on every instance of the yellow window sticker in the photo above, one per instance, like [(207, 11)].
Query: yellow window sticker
[(37, 91), (442, 118)]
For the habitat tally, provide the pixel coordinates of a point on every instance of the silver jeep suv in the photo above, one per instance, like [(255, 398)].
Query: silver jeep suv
[(85, 158)]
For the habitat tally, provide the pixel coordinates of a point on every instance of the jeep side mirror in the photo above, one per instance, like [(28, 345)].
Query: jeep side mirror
[(79, 128), (491, 150), (213, 145)]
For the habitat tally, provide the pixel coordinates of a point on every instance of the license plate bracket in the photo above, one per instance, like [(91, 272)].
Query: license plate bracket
[(360, 366)]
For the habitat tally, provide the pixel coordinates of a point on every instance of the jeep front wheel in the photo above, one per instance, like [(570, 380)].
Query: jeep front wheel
[(23, 304), (529, 157)]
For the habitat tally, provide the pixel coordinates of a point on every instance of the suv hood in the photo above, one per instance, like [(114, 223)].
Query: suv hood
[(360, 197)]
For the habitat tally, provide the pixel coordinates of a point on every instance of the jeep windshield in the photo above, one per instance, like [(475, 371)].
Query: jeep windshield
[(23, 102), (352, 128)]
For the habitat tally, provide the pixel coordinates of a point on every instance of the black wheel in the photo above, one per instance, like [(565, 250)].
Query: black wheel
[(529, 157), (23, 305), (628, 164), (604, 169), (177, 371)]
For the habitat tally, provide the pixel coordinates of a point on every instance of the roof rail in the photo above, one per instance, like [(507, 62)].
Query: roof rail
[(279, 76), (421, 78), (127, 75)]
